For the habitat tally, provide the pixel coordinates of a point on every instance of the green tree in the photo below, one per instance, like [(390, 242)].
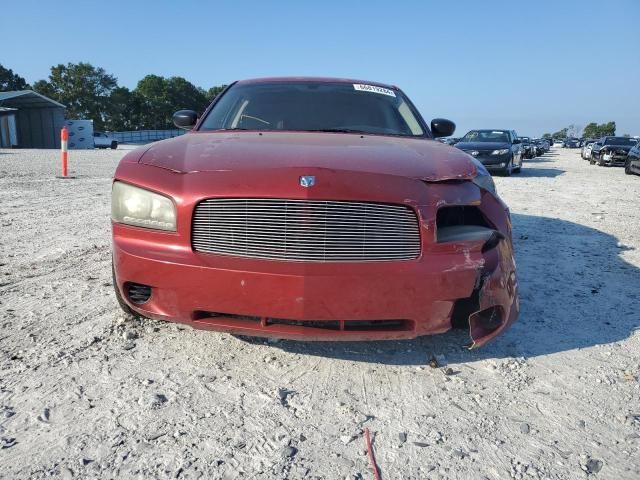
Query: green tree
[(213, 92), (84, 89), (562, 133), (161, 97), (547, 135), (11, 81), (124, 110), (593, 130), (608, 128)]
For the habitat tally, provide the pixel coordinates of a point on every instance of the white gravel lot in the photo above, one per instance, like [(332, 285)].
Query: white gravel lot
[(88, 393)]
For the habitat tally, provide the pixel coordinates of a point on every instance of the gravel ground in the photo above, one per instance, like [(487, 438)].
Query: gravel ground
[(87, 393)]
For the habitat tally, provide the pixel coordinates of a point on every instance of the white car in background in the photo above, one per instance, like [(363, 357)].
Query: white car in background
[(586, 149), (102, 140)]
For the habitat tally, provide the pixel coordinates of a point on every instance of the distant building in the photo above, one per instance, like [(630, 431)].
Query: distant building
[(29, 120)]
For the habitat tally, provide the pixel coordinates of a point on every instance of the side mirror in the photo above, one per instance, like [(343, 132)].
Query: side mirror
[(185, 119), (517, 141), (441, 127)]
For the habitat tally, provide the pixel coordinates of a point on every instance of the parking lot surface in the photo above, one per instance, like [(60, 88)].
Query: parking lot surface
[(86, 392)]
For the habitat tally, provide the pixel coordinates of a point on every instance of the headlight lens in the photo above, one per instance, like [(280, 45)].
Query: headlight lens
[(483, 179), (142, 208), (500, 152)]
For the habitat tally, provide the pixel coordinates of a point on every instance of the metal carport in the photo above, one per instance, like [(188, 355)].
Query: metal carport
[(38, 118)]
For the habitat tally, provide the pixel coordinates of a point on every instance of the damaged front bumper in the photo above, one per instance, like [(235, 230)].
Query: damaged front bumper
[(456, 278)]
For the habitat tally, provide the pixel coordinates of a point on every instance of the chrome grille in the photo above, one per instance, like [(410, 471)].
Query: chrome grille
[(306, 230)]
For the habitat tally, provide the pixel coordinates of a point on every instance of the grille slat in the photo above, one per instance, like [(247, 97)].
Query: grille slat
[(306, 230)]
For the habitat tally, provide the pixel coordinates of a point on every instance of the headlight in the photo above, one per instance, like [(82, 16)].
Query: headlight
[(142, 208), (483, 179), (500, 152)]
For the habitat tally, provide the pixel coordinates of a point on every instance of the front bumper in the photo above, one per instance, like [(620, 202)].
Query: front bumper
[(615, 160), (327, 301), (494, 162)]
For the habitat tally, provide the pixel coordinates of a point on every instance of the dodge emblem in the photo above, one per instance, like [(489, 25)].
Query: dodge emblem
[(307, 181)]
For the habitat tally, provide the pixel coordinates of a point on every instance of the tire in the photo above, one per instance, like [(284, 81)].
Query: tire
[(114, 145), (123, 305), (592, 161), (627, 168), (508, 170)]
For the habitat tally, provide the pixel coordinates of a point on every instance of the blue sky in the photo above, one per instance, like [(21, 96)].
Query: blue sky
[(531, 66)]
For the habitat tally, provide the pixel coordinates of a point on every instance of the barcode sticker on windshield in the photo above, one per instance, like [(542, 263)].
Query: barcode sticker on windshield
[(373, 89)]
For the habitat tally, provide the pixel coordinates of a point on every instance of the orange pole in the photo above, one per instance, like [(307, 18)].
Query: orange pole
[(64, 154)]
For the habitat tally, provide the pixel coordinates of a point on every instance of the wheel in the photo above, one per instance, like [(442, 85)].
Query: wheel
[(123, 305), (592, 161), (114, 145), (508, 170), (627, 168)]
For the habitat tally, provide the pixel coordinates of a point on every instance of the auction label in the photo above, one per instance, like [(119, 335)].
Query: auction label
[(374, 89)]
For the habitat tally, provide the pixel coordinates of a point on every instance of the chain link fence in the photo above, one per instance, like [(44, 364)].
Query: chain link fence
[(145, 136)]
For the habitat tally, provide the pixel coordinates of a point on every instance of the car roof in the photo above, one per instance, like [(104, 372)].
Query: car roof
[(315, 80)]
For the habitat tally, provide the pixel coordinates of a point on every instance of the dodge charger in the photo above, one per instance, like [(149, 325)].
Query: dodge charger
[(313, 209)]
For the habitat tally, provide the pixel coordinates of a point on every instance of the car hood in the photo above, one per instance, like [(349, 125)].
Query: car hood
[(482, 145), (226, 151), (626, 148)]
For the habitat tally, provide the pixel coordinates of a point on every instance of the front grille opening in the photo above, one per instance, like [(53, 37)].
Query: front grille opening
[(460, 215), (327, 325), (306, 230), (137, 293), (336, 325), (386, 325), (203, 315)]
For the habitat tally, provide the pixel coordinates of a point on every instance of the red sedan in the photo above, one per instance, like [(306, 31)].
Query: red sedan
[(313, 209)]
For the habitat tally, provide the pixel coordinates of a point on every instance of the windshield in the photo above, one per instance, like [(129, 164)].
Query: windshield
[(620, 141), (314, 106), (486, 136)]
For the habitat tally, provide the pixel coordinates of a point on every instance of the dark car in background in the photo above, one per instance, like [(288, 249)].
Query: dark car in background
[(498, 150), (528, 150), (612, 151), (449, 140), (572, 143), (540, 146), (633, 160)]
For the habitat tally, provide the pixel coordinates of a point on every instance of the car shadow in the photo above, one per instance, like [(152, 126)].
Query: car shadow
[(576, 291), (539, 172), (540, 159)]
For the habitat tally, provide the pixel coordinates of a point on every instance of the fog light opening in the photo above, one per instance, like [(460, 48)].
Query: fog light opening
[(482, 324), (137, 293)]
